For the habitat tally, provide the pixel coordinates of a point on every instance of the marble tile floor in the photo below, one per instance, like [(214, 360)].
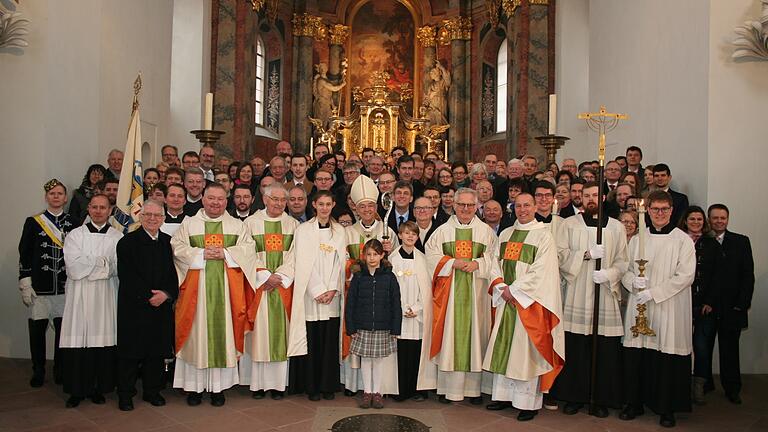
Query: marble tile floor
[(23, 408)]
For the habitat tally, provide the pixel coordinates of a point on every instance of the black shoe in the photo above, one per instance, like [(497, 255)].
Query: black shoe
[(550, 403), (258, 394), (667, 420), (349, 393), (37, 380), (734, 398), (630, 412), (218, 399), (599, 411), (98, 399), (498, 405), (125, 404), (476, 400), (329, 395), (399, 398), (443, 400), (572, 408), (314, 397), (277, 394), (419, 397), (526, 415), (154, 399), (194, 399), (73, 401)]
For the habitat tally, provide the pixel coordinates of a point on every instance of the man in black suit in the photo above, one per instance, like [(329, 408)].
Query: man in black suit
[(731, 301), (439, 216), (405, 173), (661, 178), (402, 205)]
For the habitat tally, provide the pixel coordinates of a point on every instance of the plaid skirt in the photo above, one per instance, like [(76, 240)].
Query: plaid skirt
[(373, 343)]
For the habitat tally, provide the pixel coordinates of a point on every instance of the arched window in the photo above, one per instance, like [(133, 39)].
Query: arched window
[(501, 88), (259, 110)]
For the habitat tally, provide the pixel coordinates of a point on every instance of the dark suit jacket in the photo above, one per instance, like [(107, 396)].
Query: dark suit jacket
[(567, 211), (680, 204), (441, 217), (392, 221), (507, 220), (739, 280)]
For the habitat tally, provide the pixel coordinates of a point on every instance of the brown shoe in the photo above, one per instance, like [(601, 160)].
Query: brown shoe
[(378, 401), (365, 402)]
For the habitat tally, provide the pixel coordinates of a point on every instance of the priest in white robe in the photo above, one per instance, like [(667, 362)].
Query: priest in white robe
[(264, 365), (657, 369), (579, 241), (89, 325), (461, 261), (320, 254), (214, 256), (365, 194), (526, 348)]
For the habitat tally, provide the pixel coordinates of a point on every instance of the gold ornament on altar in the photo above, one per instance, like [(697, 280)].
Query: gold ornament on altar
[(309, 26), (509, 6), (433, 141), (269, 6), (426, 36), (338, 34), (456, 28)]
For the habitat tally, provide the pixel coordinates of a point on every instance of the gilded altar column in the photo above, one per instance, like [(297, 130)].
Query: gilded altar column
[(337, 36), (427, 37), (306, 28), (459, 31)]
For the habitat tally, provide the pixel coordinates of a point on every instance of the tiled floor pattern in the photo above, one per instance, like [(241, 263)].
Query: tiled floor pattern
[(23, 408)]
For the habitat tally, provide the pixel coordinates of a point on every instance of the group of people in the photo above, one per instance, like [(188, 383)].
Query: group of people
[(394, 275)]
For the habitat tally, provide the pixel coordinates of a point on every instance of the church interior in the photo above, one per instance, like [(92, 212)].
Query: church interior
[(462, 78)]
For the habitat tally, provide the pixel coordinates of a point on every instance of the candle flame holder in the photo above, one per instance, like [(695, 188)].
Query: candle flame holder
[(641, 321)]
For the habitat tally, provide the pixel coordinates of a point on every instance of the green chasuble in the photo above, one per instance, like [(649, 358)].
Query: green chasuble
[(215, 299), (462, 248), (511, 252), (274, 244)]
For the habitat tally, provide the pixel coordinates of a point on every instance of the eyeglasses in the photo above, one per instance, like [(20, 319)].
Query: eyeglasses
[(543, 195), (386, 181), (279, 200), (423, 208), (660, 210), (153, 215), (465, 205), (345, 222)]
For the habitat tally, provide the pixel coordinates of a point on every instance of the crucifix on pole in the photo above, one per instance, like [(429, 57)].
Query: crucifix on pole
[(600, 122)]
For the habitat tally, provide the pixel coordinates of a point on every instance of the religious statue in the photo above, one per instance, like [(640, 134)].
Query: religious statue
[(436, 95), (323, 89)]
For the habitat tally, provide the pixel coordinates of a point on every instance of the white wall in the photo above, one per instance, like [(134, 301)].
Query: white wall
[(667, 65), (65, 102)]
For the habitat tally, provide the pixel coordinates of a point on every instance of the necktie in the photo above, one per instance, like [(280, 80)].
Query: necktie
[(612, 187), (400, 219)]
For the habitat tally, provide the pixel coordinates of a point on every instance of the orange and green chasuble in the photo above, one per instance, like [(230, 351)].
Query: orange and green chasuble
[(274, 243)]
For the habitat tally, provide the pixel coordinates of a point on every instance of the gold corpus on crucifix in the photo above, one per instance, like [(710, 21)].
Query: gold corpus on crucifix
[(602, 122)]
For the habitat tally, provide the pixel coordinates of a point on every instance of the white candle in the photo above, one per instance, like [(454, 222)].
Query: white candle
[(208, 125), (553, 114), (554, 220), (555, 207), (641, 229), (312, 146), (445, 150)]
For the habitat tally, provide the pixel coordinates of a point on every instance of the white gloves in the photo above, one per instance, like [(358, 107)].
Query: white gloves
[(600, 276), (640, 282), (597, 252), (644, 296), (27, 292)]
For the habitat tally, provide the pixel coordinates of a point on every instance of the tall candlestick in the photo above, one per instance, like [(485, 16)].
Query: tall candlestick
[(312, 146), (641, 225), (553, 114), (208, 124), (445, 150)]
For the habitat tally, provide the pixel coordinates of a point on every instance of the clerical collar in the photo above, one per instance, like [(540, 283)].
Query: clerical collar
[(245, 215), (592, 221), (153, 237), (664, 230), (547, 219), (176, 216), (367, 227), (97, 229), (324, 225), (194, 200), (405, 255)]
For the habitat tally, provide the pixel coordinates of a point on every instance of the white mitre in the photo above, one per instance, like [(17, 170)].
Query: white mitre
[(364, 189)]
